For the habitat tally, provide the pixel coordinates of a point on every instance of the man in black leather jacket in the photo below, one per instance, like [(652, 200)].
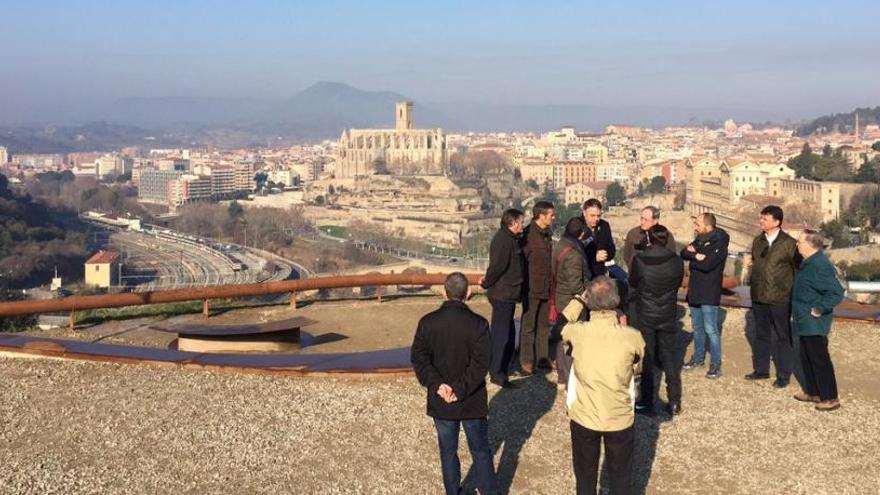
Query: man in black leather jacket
[(656, 276)]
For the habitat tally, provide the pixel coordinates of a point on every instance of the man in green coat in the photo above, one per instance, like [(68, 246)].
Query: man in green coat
[(774, 260), (815, 294)]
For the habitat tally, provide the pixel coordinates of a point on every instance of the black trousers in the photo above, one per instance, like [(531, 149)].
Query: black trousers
[(534, 338), (662, 347), (773, 339), (502, 333), (818, 370), (585, 456)]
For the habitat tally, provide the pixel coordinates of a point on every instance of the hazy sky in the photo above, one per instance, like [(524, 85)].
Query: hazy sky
[(796, 58)]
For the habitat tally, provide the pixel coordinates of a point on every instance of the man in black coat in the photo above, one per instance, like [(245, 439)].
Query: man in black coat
[(450, 355), (504, 287), (534, 327), (599, 243), (706, 257), (656, 275)]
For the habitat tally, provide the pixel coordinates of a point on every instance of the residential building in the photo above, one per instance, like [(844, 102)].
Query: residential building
[(824, 196), (580, 192), (102, 269), (154, 186)]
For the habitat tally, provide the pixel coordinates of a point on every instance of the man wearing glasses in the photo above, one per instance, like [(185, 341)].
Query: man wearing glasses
[(774, 260)]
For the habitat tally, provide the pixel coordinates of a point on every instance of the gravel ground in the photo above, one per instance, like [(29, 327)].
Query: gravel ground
[(75, 427)]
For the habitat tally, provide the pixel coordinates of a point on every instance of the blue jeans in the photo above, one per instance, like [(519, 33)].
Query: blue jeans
[(477, 433), (705, 322)]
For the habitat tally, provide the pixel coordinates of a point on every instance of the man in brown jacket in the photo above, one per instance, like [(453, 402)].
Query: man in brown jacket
[(607, 357), (773, 261), (635, 238), (534, 327)]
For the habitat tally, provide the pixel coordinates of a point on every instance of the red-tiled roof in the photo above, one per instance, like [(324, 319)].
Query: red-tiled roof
[(102, 257)]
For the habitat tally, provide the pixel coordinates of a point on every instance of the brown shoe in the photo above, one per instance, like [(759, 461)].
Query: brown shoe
[(805, 397), (828, 405)]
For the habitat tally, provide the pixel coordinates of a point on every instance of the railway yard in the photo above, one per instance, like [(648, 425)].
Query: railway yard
[(161, 259)]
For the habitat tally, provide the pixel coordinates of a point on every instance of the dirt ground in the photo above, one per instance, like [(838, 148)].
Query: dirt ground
[(74, 427)]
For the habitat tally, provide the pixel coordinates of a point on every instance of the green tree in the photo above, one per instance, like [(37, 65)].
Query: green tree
[(615, 194), (827, 151), (235, 211), (868, 172), (876, 146), (260, 178), (657, 185), (805, 163), (837, 232)]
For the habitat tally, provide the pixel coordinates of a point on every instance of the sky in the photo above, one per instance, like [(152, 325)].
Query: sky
[(793, 59)]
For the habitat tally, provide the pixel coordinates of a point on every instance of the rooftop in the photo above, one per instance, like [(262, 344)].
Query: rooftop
[(102, 257)]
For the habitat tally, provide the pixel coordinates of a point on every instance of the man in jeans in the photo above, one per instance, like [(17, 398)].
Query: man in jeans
[(450, 355), (706, 255), (607, 356)]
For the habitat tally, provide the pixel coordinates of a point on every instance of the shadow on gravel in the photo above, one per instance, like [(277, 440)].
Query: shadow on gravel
[(513, 414), (645, 449)]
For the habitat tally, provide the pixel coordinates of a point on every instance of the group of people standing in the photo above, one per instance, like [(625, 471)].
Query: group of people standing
[(603, 329)]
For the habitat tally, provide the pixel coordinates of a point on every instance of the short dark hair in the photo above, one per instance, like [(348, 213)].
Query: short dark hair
[(510, 217), (592, 203), (658, 234), (774, 211), (575, 226), (456, 286), (655, 212), (709, 219), (603, 294), (541, 208)]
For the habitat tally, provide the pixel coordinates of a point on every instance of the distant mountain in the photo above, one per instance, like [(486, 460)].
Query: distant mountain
[(842, 122), (324, 109), (95, 136)]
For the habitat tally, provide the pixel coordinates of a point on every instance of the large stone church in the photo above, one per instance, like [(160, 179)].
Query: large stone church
[(399, 151)]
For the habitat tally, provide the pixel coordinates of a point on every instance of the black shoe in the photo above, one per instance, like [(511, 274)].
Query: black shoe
[(757, 376), (691, 365), (714, 371), (645, 411), (780, 383), (674, 408), (505, 384), (544, 364)]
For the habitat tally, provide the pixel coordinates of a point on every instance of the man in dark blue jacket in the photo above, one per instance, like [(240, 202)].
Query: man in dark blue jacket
[(450, 355), (504, 287), (706, 255)]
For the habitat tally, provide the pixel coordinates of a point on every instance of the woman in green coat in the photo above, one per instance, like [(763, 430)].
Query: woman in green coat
[(815, 293)]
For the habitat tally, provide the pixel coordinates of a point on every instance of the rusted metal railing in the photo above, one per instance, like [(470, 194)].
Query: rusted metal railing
[(205, 294)]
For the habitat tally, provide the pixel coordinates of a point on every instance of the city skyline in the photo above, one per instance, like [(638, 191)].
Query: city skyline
[(785, 60)]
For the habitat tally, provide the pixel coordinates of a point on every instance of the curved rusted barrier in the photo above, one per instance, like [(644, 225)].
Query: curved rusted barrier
[(77, 303), (389, 361)]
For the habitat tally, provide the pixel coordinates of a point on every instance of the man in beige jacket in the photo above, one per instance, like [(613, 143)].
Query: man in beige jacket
[(601, 392)]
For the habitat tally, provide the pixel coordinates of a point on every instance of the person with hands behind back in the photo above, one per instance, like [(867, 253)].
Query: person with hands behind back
[(451, 352)]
